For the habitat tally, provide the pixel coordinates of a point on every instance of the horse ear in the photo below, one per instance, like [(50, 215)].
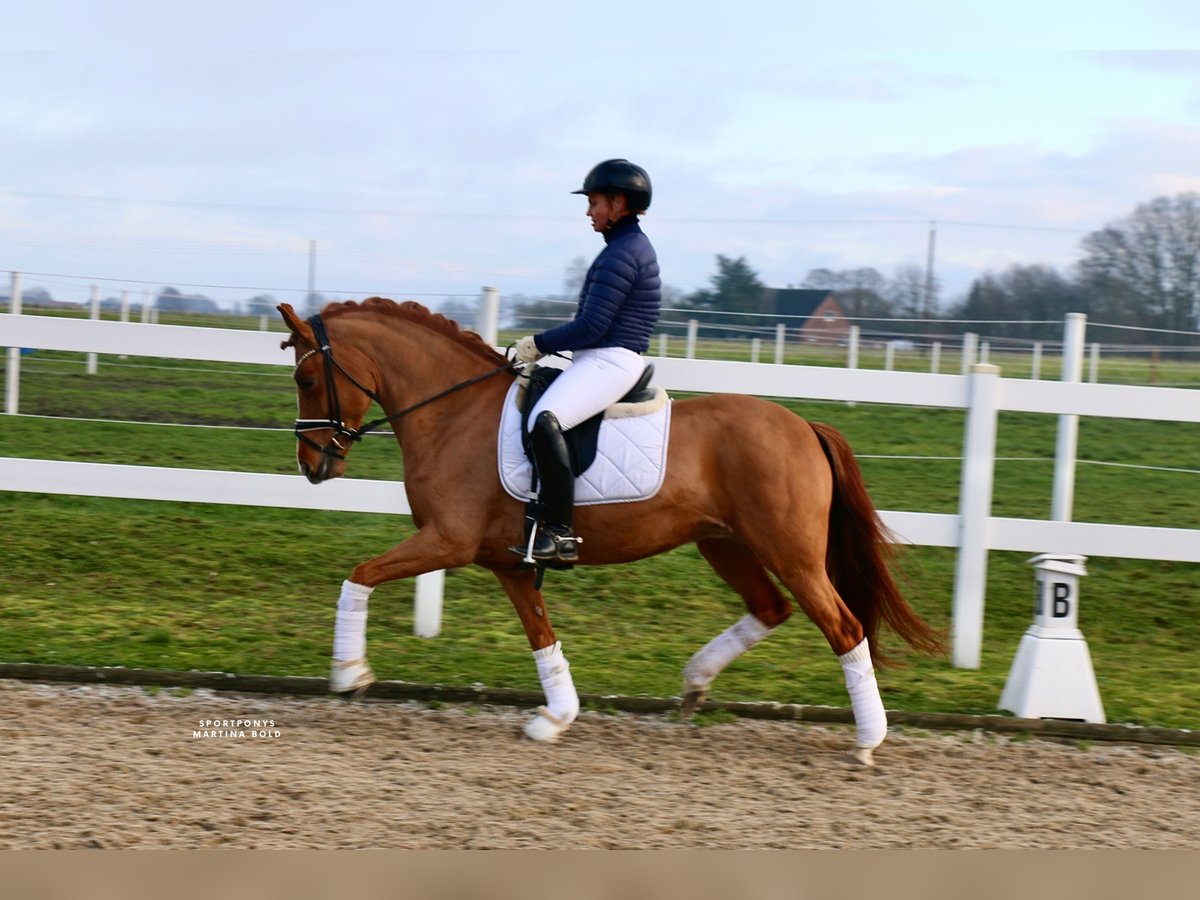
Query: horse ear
[(299, 328)]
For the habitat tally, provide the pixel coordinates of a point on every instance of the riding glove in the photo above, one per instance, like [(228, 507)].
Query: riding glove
[(527, 350)]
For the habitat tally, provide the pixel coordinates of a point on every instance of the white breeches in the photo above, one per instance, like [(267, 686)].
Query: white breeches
[(595, 380)]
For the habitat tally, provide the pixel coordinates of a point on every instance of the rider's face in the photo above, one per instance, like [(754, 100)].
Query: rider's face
[(604, 210)]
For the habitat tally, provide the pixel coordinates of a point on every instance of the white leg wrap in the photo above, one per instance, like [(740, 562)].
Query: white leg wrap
[(350, 671), (710, 660), (869, 715), (562, 701), (350, 623)]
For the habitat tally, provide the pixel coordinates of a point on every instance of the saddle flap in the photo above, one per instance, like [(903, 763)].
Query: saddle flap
[(583, 439), (630, 460)]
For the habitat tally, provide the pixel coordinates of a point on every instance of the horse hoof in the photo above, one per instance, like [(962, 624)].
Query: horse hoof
[(544, 727), (863, 755), (351, 678), (691, 701)]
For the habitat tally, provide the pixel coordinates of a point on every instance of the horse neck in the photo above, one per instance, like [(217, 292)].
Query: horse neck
[(415, 364)]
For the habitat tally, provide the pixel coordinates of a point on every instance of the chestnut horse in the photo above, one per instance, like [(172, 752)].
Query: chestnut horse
[(759, 490)]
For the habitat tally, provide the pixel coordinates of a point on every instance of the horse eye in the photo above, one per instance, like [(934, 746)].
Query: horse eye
[(307, 383)]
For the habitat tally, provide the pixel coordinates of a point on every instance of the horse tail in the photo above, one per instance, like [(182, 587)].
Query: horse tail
[(859, 552)]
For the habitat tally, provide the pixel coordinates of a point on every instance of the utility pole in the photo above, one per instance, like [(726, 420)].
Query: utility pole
[(312, 278), (928, 311)]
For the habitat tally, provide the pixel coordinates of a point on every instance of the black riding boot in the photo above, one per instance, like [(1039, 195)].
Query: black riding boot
[(555, 541)]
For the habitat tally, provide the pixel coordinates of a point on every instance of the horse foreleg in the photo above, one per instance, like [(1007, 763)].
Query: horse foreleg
[(767, 609), (350, 673), (426, 551), (562, 701)]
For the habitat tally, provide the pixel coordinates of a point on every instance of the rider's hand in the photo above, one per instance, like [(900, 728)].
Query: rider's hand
[(527, 351)]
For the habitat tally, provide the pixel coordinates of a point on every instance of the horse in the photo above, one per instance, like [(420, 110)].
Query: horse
[(758, 489)]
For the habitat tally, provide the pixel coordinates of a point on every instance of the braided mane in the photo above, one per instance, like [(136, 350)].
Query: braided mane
[(414, 312)]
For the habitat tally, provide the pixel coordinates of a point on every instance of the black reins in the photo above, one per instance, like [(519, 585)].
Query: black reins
[(335, 422)]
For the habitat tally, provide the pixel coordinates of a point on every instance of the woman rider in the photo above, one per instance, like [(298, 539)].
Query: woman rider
[(618, 308)]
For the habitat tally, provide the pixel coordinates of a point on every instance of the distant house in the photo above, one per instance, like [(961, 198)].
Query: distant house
[(813, 316)]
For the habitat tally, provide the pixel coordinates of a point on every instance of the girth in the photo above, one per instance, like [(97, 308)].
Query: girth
[(584, 438)]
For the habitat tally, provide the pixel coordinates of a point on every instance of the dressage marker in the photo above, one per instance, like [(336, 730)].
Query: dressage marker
[(1052, 676)]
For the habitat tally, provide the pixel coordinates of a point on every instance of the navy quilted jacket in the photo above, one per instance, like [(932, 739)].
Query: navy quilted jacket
[(621, 294)]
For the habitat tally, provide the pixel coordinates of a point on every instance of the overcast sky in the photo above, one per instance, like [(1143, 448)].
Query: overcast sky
[(429, 148)]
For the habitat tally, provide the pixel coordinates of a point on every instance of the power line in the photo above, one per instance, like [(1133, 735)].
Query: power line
[(232, 287), (436, 214)]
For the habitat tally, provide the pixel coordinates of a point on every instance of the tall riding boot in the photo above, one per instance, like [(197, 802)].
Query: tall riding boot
[(555, 540)]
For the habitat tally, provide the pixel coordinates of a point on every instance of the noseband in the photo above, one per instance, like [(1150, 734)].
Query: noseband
[(335, 422)]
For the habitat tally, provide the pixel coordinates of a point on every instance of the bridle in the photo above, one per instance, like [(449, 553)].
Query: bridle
[(335, 422)]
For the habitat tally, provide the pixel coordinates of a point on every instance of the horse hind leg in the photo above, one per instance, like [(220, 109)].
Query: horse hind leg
[(819, 599), (766, 606)]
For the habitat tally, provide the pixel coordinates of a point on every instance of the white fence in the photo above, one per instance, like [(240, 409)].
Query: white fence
[(973, 531)]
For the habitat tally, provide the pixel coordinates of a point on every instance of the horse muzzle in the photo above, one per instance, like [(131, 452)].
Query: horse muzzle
[(326, 467), (320, 462)]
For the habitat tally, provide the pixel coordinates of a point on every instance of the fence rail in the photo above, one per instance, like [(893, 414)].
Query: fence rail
[(973, 531)]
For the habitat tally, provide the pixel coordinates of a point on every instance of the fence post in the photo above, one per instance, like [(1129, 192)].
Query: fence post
[(852, 353), (755, 349), (95, 315), (145, 306), (662, 345), (984, 350), (1068, 426), (693, 330), (970, 339), (935, 357), (1035, 373), (974, 510), (487, 317), (12, 381), (427, 605), (889, 356), (1094, 367), (780, 342), (124, 312)]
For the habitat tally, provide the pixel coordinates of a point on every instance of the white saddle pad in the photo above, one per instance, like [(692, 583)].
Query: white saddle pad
[(630, 459)]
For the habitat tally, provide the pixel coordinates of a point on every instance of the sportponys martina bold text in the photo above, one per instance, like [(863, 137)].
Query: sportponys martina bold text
[(250, 729)]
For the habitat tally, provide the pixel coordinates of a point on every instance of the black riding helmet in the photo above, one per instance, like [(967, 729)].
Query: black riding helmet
[(619, 176)]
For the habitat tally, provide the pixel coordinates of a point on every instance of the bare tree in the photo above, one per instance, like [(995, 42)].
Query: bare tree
[(908, 295), (1145, 269), (574, 277), (861, 292)]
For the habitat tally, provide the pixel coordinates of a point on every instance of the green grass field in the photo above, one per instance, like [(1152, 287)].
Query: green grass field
[(196, 586)]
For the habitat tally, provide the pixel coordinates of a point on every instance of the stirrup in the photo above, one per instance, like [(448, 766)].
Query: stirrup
[(551, 544)]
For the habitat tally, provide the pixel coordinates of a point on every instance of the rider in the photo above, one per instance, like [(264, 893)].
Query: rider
[(618, 308)]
